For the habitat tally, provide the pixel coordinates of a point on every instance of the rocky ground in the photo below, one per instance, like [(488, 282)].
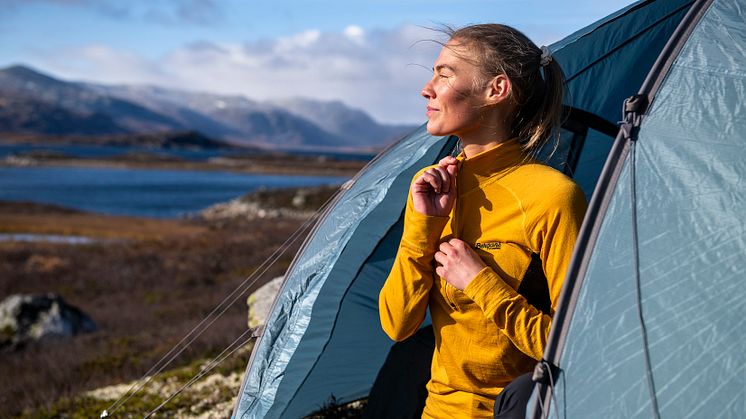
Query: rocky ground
[(145, 283)]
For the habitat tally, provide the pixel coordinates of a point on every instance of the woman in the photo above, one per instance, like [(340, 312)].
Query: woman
[(488, 234)]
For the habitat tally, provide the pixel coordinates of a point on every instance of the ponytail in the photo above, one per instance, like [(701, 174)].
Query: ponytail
[(543, 122)]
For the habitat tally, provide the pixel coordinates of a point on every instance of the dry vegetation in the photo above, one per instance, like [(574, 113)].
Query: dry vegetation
[(145, 290)]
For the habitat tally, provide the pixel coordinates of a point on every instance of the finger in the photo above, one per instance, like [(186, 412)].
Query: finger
[(457, 243), (447, 161), (433, 179), (441, 271), (445, 248), (452, 169), (420, 179), (445, 179), (452, 172), (441, 258), (420, 185)]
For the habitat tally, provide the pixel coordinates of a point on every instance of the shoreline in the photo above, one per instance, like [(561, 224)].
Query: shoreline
[(265, 165), (34, 218)]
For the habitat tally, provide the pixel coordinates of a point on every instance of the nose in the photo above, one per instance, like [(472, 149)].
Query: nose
[(427, 90)]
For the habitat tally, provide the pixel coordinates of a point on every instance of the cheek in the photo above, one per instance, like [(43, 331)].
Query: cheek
[(466, 110), (455, 100)]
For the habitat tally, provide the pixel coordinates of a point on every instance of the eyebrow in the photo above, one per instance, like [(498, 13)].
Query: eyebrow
[(443, 66)]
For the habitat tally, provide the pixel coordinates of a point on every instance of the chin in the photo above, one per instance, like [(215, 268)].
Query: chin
[(436, 131)]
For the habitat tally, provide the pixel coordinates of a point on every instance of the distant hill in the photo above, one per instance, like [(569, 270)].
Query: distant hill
[(354, 125), (49, 98), (35, 103)]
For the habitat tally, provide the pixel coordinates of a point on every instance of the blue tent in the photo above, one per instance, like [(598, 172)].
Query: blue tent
[(323, 338), (653, 311)]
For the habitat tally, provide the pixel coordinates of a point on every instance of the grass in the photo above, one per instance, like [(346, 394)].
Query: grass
[(145, 293), (212, 396)]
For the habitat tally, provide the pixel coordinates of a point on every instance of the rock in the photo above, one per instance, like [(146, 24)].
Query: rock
[(25, 318), (290, 203), (260, 302)]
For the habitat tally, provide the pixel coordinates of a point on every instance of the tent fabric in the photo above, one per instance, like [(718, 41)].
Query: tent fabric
[(302, 318), (689, 182), (607, 62), (322, 337)]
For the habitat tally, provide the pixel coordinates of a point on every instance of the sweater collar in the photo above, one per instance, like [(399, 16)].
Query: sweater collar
[(476, 169)]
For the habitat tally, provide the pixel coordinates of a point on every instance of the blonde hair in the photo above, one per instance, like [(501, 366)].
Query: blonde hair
[(537, 90)]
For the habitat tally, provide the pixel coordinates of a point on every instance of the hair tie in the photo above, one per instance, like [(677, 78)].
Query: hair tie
[(546, 56)]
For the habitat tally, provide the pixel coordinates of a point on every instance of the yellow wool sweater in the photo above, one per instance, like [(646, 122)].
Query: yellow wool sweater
[(511, 210)]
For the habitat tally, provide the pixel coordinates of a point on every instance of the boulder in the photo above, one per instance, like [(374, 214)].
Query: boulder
[(25, 318), (260, 302)]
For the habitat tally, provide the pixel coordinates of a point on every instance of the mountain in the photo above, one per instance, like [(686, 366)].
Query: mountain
[(32, 102), (354, 125), (52, 98), (27, 115)]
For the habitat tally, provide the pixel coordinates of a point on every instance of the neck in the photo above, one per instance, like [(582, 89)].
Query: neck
[(471, 150), (473, 145), (486, 135)]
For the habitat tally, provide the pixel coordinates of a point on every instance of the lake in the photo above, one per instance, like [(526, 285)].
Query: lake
[(139, 192), (103, 151)]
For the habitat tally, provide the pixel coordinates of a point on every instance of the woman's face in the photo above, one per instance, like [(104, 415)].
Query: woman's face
[(454, 101)]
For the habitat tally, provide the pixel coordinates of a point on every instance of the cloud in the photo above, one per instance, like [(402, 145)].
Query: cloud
[(173, 12), (198, 11), (355, 33), (100, 63), (380, 71), (169, 12)]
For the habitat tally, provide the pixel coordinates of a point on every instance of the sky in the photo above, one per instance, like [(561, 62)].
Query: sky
[(373, 55)]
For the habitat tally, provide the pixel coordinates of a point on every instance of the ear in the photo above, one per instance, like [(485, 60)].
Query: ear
[(498, 89)]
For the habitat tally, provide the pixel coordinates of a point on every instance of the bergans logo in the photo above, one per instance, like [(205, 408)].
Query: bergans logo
[(489, 245)]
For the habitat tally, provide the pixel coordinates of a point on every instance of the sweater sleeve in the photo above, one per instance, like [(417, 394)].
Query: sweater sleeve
[(404, 297), (551, 230)]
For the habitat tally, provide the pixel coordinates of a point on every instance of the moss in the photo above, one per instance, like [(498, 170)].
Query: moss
[(190, 401), (152, 297), (7, 333), (184, 373), (103, 363)]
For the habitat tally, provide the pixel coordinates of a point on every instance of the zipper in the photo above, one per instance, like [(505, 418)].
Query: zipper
[(449, 289), (454, 221)]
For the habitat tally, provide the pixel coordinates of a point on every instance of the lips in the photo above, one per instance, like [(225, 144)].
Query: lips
[(430, 109)]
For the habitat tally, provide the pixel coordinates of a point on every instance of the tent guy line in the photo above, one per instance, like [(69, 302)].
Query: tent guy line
[(222, 356), (223, 306)]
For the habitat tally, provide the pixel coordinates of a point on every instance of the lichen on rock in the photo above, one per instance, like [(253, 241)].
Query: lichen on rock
[(31, 317)]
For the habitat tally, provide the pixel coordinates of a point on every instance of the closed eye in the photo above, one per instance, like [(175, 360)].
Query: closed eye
[(437, 71)]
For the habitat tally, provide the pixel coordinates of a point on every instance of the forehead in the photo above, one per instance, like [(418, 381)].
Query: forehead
[(456, 56)]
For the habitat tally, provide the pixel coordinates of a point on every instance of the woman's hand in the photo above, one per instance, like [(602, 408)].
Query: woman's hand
[(459, 264), (434, 192)]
